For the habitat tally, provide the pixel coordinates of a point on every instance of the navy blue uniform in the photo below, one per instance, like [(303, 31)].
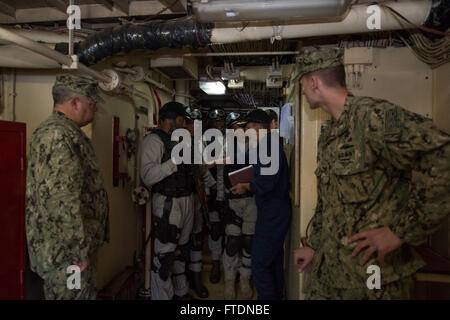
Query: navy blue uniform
[(271, 194)]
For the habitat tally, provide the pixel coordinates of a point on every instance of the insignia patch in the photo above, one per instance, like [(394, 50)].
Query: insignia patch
[(391, 122), (345, 157)]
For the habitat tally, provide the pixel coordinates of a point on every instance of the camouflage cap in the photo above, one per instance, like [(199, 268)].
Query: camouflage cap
[(82, 85), (316, 60)]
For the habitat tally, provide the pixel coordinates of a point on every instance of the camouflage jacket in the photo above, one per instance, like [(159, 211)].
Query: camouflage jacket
[(67, 209), (366, 161)]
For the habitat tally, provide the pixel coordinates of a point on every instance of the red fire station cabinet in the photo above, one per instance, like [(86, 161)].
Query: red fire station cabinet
[(12, 209)]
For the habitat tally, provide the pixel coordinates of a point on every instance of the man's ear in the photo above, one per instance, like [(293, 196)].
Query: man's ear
[(75, 103), (314, 82)]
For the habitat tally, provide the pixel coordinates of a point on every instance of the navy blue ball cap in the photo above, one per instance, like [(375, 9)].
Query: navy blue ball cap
[(258, 116)]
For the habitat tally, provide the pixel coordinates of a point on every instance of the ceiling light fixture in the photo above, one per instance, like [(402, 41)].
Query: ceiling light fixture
[(212, 87)]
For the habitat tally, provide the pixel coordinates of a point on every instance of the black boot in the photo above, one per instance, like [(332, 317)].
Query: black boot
[(187, 296), (214, 277), (197, 285)]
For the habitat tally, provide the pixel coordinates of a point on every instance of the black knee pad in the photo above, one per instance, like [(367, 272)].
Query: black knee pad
[(231, 217), (216, 230), (166, 261), (247, 242), (196, 241), (184, 252), (233, 245)]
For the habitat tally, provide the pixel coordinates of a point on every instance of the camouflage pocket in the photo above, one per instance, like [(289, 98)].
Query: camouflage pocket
[(353, 185)]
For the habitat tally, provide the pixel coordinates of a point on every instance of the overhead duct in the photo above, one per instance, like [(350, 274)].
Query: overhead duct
[(154, 35), (268, 10), (354, 22), (186, 32)]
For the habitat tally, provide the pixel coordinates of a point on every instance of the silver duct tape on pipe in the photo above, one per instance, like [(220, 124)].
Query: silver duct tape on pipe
[(24, 42), (268, 10), (355, 22)]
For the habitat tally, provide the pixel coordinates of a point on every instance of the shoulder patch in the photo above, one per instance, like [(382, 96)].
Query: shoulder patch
[(392, 121)]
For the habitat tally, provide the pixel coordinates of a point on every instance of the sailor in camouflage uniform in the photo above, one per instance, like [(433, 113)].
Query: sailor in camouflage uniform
[(371, 207), (66, 204)]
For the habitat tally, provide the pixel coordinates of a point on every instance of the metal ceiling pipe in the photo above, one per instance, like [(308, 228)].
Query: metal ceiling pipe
[(268, 10), (62, 59), (12, 56), (43, 36), (187, 32), (355, 22)]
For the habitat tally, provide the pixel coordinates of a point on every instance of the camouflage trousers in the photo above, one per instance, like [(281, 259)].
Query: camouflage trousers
[(55, 285), (397, 290)]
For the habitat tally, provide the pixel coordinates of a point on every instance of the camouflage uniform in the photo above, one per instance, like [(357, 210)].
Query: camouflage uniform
[(66, 204), (365, 181)]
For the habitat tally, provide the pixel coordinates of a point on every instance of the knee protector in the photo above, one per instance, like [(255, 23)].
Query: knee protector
[(216, 230), (247, 242), (196, 241), (231, 217), (233, 245), (184, 252), (166, 261)]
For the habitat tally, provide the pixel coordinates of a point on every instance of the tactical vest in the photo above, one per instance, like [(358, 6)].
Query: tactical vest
[(180, 183)]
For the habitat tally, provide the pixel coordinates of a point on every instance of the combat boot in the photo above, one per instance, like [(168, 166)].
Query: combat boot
[(197, 285), (229, 291), (214, 277), (246, 288), (187, 296)]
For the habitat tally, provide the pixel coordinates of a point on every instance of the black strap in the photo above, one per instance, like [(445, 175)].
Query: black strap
[(168, 203)]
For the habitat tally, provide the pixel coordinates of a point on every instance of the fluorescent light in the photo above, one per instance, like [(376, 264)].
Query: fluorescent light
[(212, 87)]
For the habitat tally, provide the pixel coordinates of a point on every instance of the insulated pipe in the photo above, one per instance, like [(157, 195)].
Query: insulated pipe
[(43, 36), (61, 58), (12, 56), (232, 54), (268, 10), (140, 75), (151, 36), (355, 22), (186, 32)]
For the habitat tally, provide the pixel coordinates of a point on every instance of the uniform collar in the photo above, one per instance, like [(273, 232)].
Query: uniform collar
[(58, 115), (341, 125)]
